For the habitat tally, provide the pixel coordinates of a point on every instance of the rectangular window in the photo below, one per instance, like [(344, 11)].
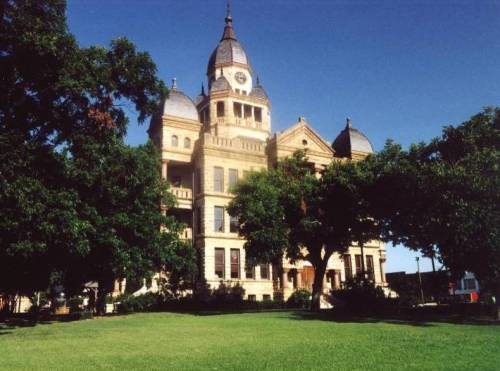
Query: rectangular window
[(266, 297), (238, 112), (357, 259), (233, 224), (264, 271), (369, 267), (218, 179), (348, 267), (248, 111), (252, 298), (220, 109), (218, 219), (219, 262), (469, 284), (257, 113), (238, 91), (235, 263), (233, 178), (250, 272)]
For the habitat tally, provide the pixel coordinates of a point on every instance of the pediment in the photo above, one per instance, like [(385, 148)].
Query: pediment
[(302, 136)]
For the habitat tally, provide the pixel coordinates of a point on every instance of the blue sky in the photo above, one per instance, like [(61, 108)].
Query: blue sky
[(400, 69)]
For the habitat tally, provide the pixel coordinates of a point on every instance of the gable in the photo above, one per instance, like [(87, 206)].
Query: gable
[(302, 136)]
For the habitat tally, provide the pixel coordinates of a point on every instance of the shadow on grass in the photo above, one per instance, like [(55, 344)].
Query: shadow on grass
[(8, 325), (412, 320)]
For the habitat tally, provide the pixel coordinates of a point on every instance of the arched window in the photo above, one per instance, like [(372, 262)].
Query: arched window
[(175, 141), (220, 109), (187, 143)]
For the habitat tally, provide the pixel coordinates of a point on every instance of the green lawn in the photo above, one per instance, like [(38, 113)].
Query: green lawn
[(251, 341)]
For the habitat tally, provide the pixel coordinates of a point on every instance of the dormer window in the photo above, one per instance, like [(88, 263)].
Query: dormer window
[(187, 143), (175, 141)]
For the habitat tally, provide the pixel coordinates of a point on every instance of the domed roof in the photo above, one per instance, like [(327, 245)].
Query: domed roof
[(229, 49), (200, 97), (220, 84), (351, 140), (258, 91), (180, 105)]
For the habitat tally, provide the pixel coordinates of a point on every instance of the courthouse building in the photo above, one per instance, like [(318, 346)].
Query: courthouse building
[(210, 142)]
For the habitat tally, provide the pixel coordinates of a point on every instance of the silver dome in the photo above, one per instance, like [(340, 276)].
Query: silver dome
[(351, 140), (180, 105)]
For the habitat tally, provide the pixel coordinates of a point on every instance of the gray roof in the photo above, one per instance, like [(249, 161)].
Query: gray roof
[(180, 105), (258, 91), (349, 140), (229, 49), (220, 84)]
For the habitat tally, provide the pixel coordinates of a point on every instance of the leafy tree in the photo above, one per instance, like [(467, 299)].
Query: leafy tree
[(443, 197), (289, 212), (76, 203)]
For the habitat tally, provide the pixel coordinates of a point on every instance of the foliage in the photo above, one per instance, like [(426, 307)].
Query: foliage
[(360, 296), (300, 298), (76, 203), (442, 198), (288, 212), (407, 286), (140, 303)]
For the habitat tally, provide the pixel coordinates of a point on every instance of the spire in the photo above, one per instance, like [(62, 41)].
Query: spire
[(348, 124), (257, 82), (202, 89), (174, 84), (228, 29)]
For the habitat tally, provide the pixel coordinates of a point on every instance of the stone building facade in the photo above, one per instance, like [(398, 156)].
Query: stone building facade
[(208, 143)]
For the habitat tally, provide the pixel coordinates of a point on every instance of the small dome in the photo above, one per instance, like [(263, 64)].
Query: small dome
[(220, 84), (229, 49), (258, 91), (180, 105), (351, 140)]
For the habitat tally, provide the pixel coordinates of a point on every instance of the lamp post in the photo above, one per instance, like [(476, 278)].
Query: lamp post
[(420, 280)]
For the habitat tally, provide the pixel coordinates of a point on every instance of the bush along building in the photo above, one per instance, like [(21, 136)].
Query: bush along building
[(210, 142)]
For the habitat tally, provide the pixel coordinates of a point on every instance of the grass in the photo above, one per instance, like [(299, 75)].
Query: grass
[(249, 341)]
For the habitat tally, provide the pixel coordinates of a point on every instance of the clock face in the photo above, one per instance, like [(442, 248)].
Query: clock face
[(240, 77)]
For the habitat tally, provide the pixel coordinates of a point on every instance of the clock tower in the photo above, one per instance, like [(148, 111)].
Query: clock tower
[(234, 106)]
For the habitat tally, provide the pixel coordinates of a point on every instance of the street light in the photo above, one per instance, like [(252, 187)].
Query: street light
[(420, 280)]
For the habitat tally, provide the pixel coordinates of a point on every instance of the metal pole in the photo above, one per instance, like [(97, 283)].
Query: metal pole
[(420, 280)]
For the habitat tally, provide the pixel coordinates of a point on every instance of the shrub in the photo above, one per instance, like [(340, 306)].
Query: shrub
[(359, 296), (301, 298), (75, 304), (141, 303)]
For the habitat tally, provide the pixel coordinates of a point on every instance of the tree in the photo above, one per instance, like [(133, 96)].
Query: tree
[(289, 212), (76, 203), (443, 197)]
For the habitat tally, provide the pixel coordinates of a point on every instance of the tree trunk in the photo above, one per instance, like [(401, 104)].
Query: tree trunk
[(363, 270), (319, 274), (496, 306), (105, 287)]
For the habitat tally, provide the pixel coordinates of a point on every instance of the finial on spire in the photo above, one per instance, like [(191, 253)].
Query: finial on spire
[(221, 72), (174, 83), (228, 10), (349, 125), (202, 89), (228, 29), (257, 81)]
